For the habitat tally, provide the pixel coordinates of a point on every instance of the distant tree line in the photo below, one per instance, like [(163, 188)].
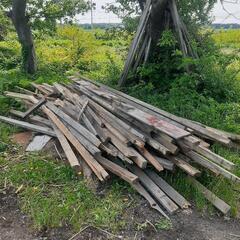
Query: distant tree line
[(226, 26)]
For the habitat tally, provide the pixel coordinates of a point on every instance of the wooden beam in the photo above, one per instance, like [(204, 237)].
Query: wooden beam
[(28, 126), (211, 197), (162, 198), (117, 170), (169, 190)]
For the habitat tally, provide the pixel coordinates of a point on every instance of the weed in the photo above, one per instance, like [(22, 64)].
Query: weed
[(164, 224)]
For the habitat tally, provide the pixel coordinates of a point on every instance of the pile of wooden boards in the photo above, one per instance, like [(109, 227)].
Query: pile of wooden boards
[(103, 131)]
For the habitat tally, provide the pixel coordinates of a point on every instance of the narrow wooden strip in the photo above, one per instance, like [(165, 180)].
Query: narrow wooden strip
[(162, 198), (34, 108), (117, 170), (151, 159), (168, 189), (142, 191), (215, 158), (211, 197), (185, 166), (71, 157), (28, 126), (212, 166)]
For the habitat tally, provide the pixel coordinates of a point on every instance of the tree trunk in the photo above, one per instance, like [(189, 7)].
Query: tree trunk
[(20, 21)]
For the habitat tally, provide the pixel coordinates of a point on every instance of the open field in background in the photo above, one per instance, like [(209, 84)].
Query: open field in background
[(99, 55)]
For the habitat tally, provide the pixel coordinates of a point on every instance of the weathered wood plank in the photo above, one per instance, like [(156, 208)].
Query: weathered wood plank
[(142, 191), (28, 126), (71, 157), (35, 107), (162, 198), (169, 190), (117, 170), (211, 197)]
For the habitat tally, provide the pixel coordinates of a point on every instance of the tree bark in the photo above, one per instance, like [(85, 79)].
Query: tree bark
[(21, 24)]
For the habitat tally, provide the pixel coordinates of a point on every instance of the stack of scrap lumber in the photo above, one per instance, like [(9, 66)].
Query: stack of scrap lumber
[(103, 131)]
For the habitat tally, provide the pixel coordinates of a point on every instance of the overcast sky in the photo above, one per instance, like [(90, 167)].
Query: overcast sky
[(220, 16)]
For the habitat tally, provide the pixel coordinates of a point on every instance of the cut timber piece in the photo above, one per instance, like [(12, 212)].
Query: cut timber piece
[(119, 154), (169, 145), (41, 88), (186, 167), (215, 158), (211, 197), (117, 170), (92, 163), (141, 190), (38, 143), (158, 125), (151, 159), (158, 146), (88, 145), (71, 157), (34, 108), (212, 166), (232, 136), (162, 198), (191, 141), (28, 126), (165, 163), (83, 131), (129, 152), (169, 190), (34, 119), (82, 110)]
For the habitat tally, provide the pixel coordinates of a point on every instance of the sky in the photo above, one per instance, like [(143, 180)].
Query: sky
[(219, 15)]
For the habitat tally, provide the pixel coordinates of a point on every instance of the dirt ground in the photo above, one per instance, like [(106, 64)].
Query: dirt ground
[(187, 225)]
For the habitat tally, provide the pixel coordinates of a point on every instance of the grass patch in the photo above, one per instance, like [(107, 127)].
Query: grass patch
[(53, 196)]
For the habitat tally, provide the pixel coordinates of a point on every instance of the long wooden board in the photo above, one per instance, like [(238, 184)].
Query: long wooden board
[(28, 126)]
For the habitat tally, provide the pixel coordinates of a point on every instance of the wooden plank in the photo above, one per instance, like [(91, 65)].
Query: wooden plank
[(82, 110), (71, 157), (136, 42), (185, 166), (158, 146), (119, 154), (92, 163), (104, 110), (211, 197), (28, 126), (38, 143), (34, 119), (151, 159), (215, 158), (83, 131), (212, 166), (35, 107), (165, 163), (141, 190), (168, 189), (169, 145), (85, 142), (162, 198), (155, 123), (117, 170), (41, 88)]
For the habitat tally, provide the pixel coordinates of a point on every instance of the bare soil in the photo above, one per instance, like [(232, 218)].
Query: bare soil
[(187, 225)]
